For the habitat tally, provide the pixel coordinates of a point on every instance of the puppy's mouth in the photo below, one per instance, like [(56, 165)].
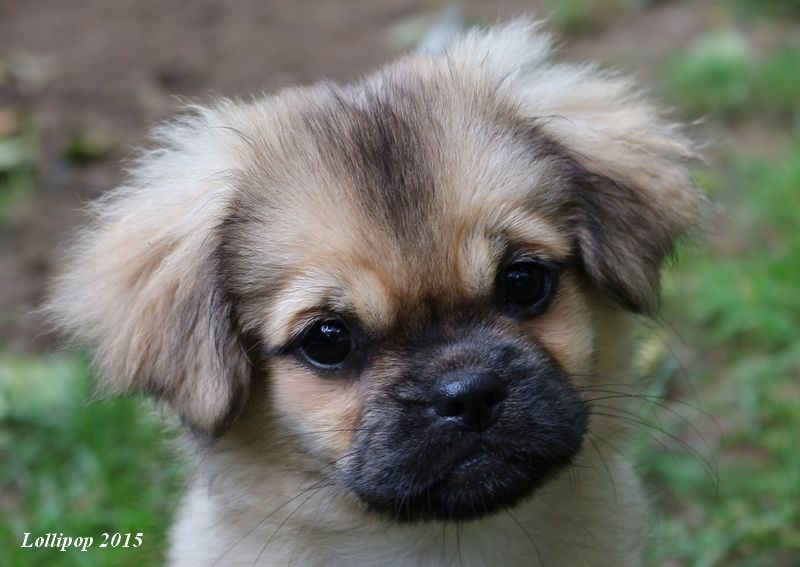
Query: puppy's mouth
[(410, 463), (465, 484)]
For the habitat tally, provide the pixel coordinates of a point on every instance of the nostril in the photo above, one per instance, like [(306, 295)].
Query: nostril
[(494, 396), (448, 407)]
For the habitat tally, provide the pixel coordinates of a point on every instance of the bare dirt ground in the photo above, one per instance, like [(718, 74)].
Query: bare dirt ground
[(112, 69)]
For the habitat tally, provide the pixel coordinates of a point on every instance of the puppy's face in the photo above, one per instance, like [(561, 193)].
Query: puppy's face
[(411, 268), (413, 287)]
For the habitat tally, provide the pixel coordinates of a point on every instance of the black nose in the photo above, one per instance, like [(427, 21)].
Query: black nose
[(469, 397)]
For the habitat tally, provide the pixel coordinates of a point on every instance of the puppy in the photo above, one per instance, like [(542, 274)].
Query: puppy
[(387, 311)]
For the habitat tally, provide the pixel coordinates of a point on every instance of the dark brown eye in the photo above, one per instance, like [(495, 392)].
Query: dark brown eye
[(327, 344), (529, 285)]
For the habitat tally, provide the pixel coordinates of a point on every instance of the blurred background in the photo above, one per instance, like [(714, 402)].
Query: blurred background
[(718, 440)]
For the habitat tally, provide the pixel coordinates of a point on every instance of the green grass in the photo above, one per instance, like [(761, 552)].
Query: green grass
[(67, 464), (739, 305), (583, 16), (78, 467), (17, 149), (722, 75), (767, 8), (777, 86), (713, 75)]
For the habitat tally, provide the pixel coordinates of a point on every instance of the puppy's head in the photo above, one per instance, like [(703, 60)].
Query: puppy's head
[(420, 269)]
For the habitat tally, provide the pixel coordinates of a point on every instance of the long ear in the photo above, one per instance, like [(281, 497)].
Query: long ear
[(141, 287), (633, 196)]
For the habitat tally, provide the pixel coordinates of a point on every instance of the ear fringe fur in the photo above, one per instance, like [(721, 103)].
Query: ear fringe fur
[(138, 287), (612, 131)]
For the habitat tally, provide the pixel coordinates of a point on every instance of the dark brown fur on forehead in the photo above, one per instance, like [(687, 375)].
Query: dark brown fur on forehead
[(394, 140), (381, 137)]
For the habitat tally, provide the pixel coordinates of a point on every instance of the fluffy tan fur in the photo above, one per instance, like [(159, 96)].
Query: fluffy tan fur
[(245, 221)]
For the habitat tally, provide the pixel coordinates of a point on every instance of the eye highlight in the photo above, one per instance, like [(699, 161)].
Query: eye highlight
[(528, 285), (327, 343)]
